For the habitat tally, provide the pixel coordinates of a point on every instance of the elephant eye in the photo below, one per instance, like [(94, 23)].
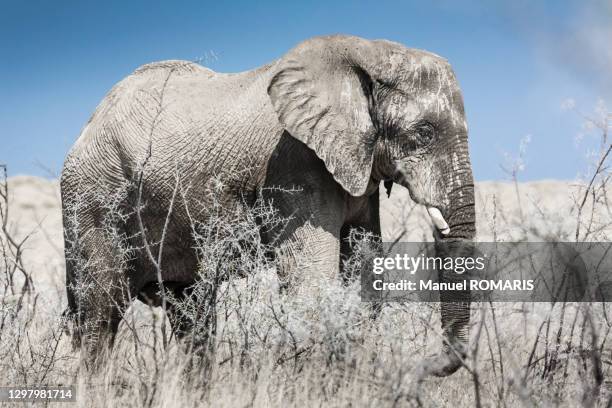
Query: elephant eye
[(425, 133)]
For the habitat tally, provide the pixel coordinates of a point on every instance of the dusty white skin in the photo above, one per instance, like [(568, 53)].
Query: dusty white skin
[(314, 133)]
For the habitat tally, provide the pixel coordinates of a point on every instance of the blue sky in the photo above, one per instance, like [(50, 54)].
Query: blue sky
[(517, 61)]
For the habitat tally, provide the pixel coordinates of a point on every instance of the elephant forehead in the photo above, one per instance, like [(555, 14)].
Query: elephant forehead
[(412, 68), (426, 103), (431, 75), (442, 105), (426, 78)]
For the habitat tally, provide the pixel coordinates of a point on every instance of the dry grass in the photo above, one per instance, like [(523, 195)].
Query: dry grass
[(320, 348)]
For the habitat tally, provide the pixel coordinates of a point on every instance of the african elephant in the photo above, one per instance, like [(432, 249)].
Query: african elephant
[(336, 116)]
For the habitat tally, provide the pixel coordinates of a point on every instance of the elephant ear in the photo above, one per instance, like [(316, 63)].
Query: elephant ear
[(321, 92)]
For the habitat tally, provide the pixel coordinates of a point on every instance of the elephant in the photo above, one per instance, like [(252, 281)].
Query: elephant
[(336, 116)]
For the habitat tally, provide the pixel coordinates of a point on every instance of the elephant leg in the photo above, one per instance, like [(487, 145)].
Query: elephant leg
[(196, 333), (308, 257), (308, 247), (361, 233), (98, 293), (311, 209)]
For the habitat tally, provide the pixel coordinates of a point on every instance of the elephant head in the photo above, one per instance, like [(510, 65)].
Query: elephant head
[(377, 111)]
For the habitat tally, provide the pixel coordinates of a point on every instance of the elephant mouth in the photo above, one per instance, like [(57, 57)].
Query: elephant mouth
[(438, 220)]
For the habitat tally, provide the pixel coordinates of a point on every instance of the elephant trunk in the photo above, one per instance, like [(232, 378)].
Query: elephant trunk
[(455, 305)]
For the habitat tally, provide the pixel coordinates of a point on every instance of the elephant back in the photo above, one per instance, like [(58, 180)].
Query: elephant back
[(176, 66)]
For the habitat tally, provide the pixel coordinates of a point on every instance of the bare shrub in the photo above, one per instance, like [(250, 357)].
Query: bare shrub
[(254, 344)]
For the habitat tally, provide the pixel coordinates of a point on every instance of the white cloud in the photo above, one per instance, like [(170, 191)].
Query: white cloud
[(576, 39)]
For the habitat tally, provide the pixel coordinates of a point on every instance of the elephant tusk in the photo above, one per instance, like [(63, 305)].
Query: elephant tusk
[(438, 220)]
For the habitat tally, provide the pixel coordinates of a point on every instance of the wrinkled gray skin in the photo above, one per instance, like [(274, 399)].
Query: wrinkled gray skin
[(335, 117)]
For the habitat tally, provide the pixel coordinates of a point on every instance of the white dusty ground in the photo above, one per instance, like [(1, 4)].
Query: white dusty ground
[(547, 207)]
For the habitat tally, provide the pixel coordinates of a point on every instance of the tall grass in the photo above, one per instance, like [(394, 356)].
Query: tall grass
[(267, 347)]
